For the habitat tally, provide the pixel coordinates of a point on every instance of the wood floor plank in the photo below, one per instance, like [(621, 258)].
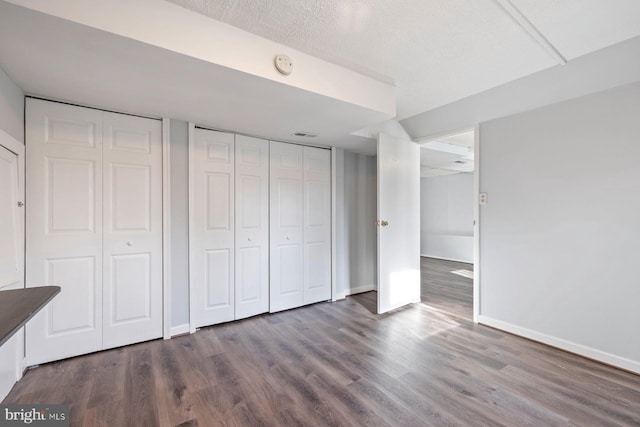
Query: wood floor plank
[(341, 364)]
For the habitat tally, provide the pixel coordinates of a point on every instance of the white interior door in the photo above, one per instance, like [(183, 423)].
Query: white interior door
[(317, 224), (252, 226), (11, 220), (211, 230), (11, 249), (399, 222), (132, 277), (286, 226), (64, 228)]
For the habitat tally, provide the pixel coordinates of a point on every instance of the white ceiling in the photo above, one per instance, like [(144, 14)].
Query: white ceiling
[(109, 54), (435, 51), (447, 155)]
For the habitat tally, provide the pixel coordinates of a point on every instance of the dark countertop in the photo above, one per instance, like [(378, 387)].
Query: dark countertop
[(17, 306)]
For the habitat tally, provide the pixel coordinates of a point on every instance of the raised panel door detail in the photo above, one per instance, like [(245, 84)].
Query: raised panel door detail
[(249, 273), (290, 161), (218, 152), (131, 192), (315, 164), (250, 156), (70, 195), (316, 203), (69, 132), (72, 310), (218, 199), (316, 265), (218, 278), (249, 197), (128, 140), (290, 202), (290, 279), (131, 287)]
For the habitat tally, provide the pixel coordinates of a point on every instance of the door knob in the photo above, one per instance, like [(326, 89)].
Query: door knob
[(130, 243), (288, 238), (382, 223), (249, 238)]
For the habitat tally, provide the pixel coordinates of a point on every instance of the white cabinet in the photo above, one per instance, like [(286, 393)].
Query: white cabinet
[(300, 225), (94, 228), (228, 241)]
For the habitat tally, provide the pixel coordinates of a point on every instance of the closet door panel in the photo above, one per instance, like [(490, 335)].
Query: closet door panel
[(212, 227), (252, 226), (132, 230), (317, 225), (64, 228), (286, 226)]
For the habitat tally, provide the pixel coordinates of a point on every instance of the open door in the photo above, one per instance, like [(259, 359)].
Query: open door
[(398, 222)]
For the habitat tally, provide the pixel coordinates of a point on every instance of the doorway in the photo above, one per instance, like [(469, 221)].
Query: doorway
[(448, 218)]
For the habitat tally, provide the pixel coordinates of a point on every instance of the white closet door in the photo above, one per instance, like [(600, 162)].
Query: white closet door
[(286, 226), (64, 228), (211, 230), (132, 275), (252, 226), (317, 225)]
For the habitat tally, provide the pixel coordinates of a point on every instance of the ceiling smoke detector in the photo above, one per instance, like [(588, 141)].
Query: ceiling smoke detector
[(305, 134)]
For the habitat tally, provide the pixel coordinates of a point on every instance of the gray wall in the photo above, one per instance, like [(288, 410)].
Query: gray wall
[(446, 217), (559, 235), (356, 215), (11, 108), (179, 164)]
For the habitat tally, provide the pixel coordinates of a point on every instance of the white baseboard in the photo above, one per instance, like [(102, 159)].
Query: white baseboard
[(446, 259), (180, 330), (591, 353), (360, 289), (339, 296)]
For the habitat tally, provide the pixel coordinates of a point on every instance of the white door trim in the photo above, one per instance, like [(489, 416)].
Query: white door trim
[(334, 255), (476, 224), (166, 229), (191, 180)]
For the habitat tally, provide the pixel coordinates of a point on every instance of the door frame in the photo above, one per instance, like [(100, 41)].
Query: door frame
[(476, 206), (166, 229)]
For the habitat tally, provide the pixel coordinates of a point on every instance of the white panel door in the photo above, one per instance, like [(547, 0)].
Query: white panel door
[(251, 226), (317, 224), (11, 249), (211, 230), (132, 261), (399, 222), (11, 227), (64, 228), (286, 226)]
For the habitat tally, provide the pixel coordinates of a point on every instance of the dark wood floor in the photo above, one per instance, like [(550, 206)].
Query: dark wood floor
[(340, 364)]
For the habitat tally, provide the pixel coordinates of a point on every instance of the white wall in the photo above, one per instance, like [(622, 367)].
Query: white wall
[(446, 217), (559, 237), (12, 122), (11, 108), (356, 218)]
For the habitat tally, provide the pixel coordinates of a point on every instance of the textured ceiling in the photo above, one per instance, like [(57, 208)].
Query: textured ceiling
[(434, 51)]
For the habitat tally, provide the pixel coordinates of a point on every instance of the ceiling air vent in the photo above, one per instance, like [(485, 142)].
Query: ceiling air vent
[(305, 134)]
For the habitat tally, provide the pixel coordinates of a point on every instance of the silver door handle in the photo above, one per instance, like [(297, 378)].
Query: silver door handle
[(130, 243), (20, 204)]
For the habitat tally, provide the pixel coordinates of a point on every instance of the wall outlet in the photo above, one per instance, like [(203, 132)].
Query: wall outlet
[(482, 199)]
